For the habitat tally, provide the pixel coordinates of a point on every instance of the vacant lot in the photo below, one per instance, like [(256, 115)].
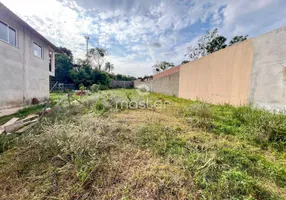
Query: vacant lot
[(122, 144)]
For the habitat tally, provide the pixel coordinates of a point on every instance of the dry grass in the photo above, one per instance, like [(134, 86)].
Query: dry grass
[(185, 151)]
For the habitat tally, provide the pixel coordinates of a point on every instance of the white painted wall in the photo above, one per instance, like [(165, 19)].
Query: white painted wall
[(23, 76)]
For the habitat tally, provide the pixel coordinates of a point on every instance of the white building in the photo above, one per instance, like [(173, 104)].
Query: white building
[(27, 59)]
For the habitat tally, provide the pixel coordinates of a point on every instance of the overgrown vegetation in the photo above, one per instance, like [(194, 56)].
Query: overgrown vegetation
[(186, 150), (85, 72)]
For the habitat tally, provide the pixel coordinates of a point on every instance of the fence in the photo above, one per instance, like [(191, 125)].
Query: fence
[(121, 84), (62, 86), (253, 71), (166, 82)]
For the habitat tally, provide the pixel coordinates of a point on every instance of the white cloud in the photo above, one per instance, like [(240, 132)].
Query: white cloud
[(138, 33), (61, 25), (253, 17)]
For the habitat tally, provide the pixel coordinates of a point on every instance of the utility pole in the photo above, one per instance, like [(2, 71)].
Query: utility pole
[(87, 40)]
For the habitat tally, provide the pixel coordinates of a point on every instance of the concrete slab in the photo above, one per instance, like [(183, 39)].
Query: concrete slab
[(9, 111), (11, 121)]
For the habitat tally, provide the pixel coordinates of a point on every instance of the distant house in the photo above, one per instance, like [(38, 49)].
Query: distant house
[(27, 59)]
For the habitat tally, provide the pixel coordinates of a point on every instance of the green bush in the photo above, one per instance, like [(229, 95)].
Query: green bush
[(102, 87), (82, 87), (143, 89), (94, 88)]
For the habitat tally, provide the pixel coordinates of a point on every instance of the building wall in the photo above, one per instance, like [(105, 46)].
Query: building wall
[(23, 76), (137, 82), (166, 82), (121, 84), (11, 67), (167, 72), (268, 82), (253, 71), (221, 77), (147, 85)]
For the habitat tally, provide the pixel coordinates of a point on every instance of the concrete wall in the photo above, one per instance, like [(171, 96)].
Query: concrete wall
[(168, 85), (221, 77), (253, 71), (268, 82), (167, 72), (166, 82), (147, 85), (121, 84), (22, 75)]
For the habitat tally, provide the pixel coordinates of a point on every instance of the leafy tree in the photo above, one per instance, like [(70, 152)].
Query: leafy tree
[(63, 64), (161, 66), (101, 78), (120, 77), (98, 55), (237, 39), (109, 67), (209, 43), (82, 73), (82, 76), (185, 61), (200, 49), (67, 52), (87, 76), (216, 44)]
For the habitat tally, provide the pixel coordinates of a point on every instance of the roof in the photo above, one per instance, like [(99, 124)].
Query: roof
[(56, 49)]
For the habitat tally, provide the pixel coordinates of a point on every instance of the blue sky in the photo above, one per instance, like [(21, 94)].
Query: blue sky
[(138, 33)]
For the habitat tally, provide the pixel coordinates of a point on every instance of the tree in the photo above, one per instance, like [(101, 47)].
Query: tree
[(185, 61), (98, 55), (216, 44), (161, 66), (237, 39), (67, 52), (81, 72), (63, 64), (120, 77), (200, 49), (211, 42), (109, 67), (82, 76)]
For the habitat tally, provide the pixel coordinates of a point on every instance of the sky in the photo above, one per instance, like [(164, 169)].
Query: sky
[(139, 33)]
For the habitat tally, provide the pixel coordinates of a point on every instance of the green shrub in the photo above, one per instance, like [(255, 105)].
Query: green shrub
[(103, 87), (143, 89), (94, 88), (82, 87)]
